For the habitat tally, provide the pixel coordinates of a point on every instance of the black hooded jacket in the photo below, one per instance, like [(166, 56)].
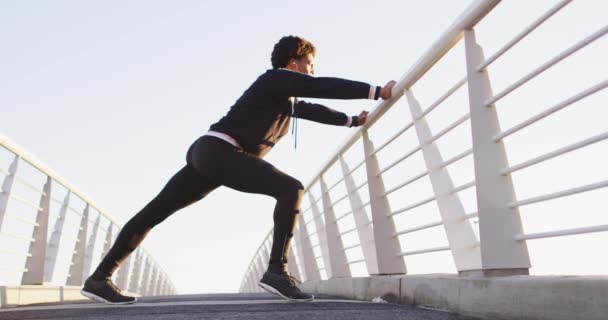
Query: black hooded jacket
[(261, 116)]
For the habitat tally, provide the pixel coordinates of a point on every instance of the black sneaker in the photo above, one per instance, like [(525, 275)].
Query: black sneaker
[(283, 285), (105, 291)]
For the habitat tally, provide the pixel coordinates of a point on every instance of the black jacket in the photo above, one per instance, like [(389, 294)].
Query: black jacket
[(261, 116)]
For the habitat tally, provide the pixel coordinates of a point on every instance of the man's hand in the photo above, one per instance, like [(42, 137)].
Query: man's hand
[(362, 117), (385, 92)]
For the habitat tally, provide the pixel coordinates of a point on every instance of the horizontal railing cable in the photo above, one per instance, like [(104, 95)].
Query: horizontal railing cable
[(407, 182), (412, 206), (414, 252), (393, 137), (355, 261), (422, 227), (579, 45), (20, 219), (524, 33), (557, 107), (351, 247), (560, 194), (396, 162), (449, 128), (556, 153), (560, 233), (14, 253), (463, 187), (15, 236), (25, 201), (29, 185), (457, 157), (441, 99)]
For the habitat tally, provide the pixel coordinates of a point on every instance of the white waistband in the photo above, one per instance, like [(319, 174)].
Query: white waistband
[(224, 137)]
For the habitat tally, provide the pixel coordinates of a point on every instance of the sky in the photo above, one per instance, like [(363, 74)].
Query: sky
[(110, 95)]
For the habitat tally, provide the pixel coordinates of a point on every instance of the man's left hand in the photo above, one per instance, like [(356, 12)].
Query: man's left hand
[(362, 117)]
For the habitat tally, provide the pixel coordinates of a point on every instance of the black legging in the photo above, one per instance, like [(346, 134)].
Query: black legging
[(212, 162)]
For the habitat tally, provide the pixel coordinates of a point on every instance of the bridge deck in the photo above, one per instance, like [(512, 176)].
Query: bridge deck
[(225, 306)]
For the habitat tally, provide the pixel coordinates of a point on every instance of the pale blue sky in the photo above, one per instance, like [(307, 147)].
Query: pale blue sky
[(110, 94)]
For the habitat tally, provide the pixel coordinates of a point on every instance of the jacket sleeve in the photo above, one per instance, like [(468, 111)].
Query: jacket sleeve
[(287, 83), (320, 113)]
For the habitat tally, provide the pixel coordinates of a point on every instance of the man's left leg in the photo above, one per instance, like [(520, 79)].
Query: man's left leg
[(245, 172), (183, 189)]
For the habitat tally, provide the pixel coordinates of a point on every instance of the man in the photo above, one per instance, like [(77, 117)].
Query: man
[(230, 154)]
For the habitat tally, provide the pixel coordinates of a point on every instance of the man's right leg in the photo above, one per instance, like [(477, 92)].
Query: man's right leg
[(183, 189), (245, 172)]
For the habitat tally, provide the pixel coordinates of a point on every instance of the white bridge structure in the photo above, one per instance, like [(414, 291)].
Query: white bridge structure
[(52, 235), (460, 194), (431, 202)]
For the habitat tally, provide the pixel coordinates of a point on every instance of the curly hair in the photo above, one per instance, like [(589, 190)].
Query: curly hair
[(290, 47)]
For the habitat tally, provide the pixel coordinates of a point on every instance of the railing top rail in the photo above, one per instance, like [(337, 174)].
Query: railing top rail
[(469, 18)]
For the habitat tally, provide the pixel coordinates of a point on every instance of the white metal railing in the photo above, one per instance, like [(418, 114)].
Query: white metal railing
[(74, 232), (500, 243)]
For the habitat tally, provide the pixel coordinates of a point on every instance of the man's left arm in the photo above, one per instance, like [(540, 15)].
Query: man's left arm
[(322, 114)]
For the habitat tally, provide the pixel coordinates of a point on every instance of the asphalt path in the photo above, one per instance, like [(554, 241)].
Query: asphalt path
[(254, 306)]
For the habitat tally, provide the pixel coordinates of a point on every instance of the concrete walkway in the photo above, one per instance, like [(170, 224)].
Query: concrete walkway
[(260, 306)]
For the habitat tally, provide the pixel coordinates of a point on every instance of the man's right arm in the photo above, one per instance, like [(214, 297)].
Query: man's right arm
[(287, 83)]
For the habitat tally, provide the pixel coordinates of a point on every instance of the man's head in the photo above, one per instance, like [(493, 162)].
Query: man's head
[(294, 53)]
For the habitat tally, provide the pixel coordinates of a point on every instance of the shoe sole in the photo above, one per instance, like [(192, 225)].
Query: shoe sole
[(98, 298), (276, 292)]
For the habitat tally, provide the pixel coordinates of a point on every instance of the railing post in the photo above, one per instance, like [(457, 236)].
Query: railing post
[(75, 278), (35, 263), (259, 268), (164, 288), (266, 254), (157, 281), (387, 246), (145, 280), (134, 279), (362, 222), (254, 271), (161, 287), (88, 258), (498, 223), (337, 256), (55, 240), (107, 244), (321, 234), (463, 242), (250, 286), (7, 186), (307, 255), (123, 273), (292, 267), (153, 279)]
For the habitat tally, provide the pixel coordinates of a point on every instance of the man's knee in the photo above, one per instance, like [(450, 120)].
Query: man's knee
[(291, 188), (296, 186)]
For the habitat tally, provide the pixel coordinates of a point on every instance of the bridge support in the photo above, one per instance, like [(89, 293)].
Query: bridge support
[(338, 264), (365, 230), (499, 223), (463, 242), (307, 255), (7, 186), (387, 246), (55, 240), (76, 275), (35, 263), (88, 259), (134, 279)]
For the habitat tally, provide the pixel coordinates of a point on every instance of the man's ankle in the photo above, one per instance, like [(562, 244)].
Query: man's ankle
[(278, 269), (98, 276)]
